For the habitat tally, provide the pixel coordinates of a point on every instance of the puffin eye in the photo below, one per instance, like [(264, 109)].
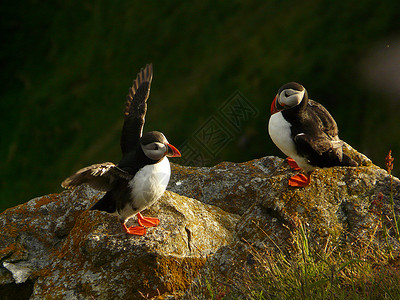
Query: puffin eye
[(287, 94), (155, 147)]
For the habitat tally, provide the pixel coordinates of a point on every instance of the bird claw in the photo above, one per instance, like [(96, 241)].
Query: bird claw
[(143, 222), (147, 221), (135, 230), (300, 180)]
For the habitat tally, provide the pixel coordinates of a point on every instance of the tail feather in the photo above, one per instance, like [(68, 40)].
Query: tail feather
[(348, 161)]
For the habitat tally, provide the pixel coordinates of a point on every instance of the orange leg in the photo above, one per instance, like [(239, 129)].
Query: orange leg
[(300, 180), (147, 221), (293, 164), (135, 230)]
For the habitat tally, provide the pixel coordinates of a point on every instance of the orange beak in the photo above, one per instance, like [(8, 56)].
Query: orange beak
[(273, 106), (172, 151)]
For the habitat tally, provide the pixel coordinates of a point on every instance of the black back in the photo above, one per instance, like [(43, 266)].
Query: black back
[(315, 134), (311, 118), (108, 202)]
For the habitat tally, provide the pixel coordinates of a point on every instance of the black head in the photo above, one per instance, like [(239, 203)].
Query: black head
[(155, 146), (289, 95)]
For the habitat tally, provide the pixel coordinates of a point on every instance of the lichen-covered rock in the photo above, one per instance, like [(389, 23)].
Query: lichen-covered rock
[(210, 220), (30, 233), (342, 206), (72, 253), (234, 187), (337, 208)]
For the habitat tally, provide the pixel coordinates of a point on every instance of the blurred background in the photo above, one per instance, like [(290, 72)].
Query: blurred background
[(66, 67)]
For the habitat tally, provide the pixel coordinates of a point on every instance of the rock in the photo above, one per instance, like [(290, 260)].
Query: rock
[(341, 206), (19, 272), (72, 253), (211, 221), (337, 207), (235, 187), (230, 186)]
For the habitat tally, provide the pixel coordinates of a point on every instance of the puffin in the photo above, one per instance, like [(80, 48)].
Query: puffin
[(142, 175), (306, 132)]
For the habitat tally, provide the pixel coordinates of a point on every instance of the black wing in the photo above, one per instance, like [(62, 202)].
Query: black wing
[(102, 177), (135, 109), (327, 123), (322, 145), (320, 151)]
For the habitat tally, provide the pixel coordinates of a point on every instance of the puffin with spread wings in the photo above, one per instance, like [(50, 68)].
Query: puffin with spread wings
[(306, 132), (142, 175)]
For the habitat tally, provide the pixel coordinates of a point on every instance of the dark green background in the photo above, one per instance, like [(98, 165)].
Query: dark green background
[(66, 67)]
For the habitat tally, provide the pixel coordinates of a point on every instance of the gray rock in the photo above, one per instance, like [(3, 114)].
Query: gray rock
[(211, 220), (19, 272), (72, 253)]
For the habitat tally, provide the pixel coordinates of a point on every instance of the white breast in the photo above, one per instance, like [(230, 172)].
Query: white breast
[(147, 186), (280, 132)]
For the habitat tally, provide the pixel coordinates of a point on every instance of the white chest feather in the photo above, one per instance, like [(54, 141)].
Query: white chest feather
[(280, 132), (149, 184)]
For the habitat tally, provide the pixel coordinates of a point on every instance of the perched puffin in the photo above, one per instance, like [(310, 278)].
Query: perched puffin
[(306, 132), (143, 173)]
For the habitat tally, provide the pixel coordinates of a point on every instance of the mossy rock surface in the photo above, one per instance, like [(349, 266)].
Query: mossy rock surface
[(72, 253), (211, 220)]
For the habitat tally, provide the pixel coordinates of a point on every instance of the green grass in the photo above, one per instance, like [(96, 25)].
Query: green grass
[(335, 272), (66, 69), (356, 268)]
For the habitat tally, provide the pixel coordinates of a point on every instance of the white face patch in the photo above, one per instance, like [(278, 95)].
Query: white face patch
[(155, 150), (290, 97)]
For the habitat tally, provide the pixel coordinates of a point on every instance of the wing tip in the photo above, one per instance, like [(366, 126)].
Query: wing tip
[(66, 184), (90, 176), (145, 75)]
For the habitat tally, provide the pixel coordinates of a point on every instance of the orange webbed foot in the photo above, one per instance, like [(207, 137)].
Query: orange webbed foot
[(147, 221), (135, 230), (300, 180), (292, 163)]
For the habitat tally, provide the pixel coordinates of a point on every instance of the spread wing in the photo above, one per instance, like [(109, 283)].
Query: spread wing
[(135, 109), (102, 177)]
